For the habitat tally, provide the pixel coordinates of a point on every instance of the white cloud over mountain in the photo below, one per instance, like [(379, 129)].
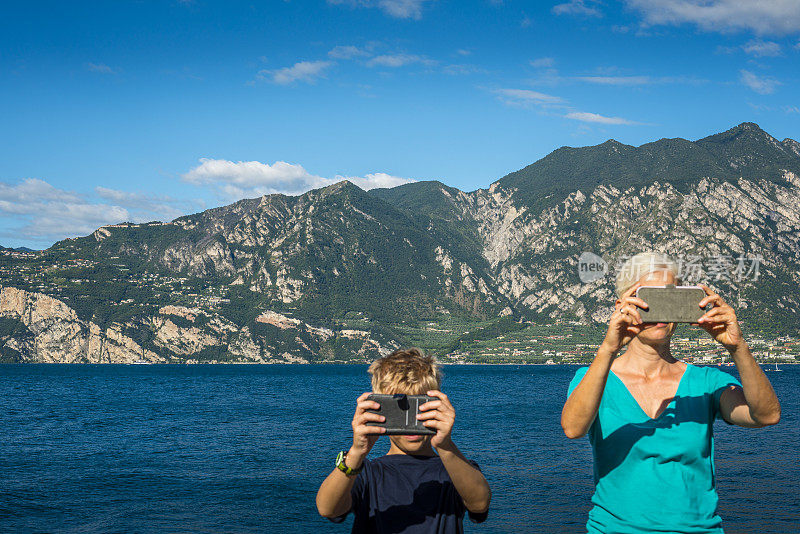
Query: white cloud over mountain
[(233, 180), (38, 213), (42, 213), (584, 116)]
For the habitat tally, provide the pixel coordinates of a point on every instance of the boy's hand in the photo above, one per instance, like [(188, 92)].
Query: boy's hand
[(364, 436), (438, 415)]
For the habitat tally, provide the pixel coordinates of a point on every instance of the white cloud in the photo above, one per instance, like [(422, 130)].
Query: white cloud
[(616, 80), (101, 68), (374, 180), (61, 220), (638, 80), (763, 17), (147, 207), (401, 9), (543, 62), (764, 85), (596, 118), (462, 69), (578, 7), (347, 52), (33, 190), (253, 177), (398, 60), (304, 71), (242, 179), (791, 109), (526, 96), (759, 48), (41, 213), (463, 52), (548, 103), (725, 49)]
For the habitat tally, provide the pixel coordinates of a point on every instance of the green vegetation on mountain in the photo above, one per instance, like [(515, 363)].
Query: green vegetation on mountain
[(744, 151)]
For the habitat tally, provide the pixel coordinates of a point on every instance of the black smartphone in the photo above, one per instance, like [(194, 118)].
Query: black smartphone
[(671, 304), (401, 413)]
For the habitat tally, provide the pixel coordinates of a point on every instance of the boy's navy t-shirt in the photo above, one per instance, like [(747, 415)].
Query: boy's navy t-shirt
[(409, 494)]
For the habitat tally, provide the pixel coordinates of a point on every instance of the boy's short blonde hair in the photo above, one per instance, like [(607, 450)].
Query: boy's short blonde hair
[(408, 371)]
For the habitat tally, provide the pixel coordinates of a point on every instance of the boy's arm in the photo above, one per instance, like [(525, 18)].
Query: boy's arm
[(467, 479), (333, 497)]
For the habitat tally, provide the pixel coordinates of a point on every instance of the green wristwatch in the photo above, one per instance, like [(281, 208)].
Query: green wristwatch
[(341, 466)]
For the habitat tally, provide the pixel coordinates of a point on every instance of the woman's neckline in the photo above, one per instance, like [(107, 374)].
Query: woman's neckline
[(636, 402)]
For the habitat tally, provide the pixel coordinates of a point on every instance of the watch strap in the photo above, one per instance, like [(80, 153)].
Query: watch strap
[(342, 466)]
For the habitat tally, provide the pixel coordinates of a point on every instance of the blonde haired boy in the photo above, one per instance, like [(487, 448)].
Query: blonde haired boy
[(411, 488)]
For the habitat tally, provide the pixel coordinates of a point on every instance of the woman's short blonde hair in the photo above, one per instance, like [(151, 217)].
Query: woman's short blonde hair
[(408, 371), (642, 264)]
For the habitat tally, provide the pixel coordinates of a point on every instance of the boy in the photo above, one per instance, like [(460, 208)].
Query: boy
[(410, 489)]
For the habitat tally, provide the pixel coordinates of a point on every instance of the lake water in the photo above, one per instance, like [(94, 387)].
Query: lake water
[(112, 448)]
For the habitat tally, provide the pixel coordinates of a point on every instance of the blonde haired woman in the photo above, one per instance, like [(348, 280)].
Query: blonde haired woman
[(650, 417)]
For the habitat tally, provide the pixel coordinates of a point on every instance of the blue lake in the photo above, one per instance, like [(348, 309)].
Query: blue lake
[(112, 448)]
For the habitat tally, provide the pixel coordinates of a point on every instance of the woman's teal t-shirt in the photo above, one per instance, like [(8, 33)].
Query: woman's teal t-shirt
[(656, 475)]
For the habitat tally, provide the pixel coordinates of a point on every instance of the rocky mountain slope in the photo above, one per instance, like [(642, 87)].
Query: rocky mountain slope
[(340, 273), (616, 200)]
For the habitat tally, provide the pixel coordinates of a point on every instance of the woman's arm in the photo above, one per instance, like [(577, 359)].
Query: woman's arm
[(581, 407), (754, 404)]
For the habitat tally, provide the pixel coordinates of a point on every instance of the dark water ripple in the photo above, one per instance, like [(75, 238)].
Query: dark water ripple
[(243, 449)]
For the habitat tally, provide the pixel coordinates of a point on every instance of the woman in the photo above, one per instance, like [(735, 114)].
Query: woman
[(650, 417)]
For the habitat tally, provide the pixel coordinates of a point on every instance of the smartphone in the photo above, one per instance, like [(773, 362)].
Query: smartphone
[(671, 304), (401, 413)]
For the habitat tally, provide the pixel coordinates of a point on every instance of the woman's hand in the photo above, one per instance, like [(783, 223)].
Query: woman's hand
[(720, 321), (364, 436), (438, 415), (625, 323)]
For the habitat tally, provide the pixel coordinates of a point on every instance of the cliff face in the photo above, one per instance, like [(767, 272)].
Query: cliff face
[(54, 334), (713, 223), (49, 331)]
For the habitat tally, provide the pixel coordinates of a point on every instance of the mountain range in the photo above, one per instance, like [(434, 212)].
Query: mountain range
[(340, 273)]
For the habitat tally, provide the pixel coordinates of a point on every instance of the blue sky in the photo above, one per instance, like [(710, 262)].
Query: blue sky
[(144, 110)]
